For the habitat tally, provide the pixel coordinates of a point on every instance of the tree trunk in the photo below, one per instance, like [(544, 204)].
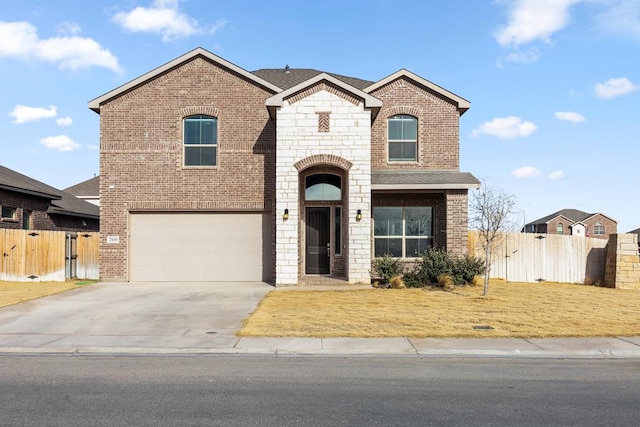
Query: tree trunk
[(487, 269)]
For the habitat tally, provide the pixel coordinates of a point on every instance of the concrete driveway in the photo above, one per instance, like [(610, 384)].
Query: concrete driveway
[(131, 317)]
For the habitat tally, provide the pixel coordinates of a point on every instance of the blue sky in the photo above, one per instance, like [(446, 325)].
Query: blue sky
[(554, 85)]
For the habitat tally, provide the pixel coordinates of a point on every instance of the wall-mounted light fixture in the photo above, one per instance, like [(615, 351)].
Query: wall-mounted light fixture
[(285, 216), (359, 215)]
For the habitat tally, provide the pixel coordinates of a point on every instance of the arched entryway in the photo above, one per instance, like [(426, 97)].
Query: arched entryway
[(322, 231)]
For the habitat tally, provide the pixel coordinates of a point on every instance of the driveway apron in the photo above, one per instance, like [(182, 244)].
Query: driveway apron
[(132, 316)]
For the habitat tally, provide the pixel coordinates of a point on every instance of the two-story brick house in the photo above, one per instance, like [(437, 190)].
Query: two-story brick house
[(574, 222), (209, 172)]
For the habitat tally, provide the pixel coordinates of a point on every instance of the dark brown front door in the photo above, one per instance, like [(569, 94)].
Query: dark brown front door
[(317, 254)]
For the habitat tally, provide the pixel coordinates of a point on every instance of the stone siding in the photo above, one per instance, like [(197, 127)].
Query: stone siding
[(622, 269), (348, 140)]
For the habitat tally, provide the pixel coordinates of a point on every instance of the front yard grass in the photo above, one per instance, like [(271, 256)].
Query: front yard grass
[(524, 310), (17, 292)]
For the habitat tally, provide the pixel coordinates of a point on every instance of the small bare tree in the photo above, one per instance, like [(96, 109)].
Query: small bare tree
[(489, 213)]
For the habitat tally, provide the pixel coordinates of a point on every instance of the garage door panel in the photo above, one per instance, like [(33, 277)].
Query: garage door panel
[(200, 247)]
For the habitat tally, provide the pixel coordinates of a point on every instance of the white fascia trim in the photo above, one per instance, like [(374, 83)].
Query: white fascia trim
[(278, 99), (424, 186), (95, 103), (463, 104)]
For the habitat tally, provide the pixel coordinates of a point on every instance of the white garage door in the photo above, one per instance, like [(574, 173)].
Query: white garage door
[(200, 247)]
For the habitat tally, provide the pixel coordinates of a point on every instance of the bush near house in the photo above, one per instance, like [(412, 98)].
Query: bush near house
[(428, 269)]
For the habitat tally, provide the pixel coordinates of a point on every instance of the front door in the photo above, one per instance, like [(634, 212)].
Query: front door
[(317, 252)]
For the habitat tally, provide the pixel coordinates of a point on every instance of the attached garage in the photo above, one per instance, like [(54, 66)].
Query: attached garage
[(200, 247)]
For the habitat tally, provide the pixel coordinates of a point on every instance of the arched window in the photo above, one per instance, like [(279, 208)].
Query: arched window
[(560, 228), (323, 186), (200, 140), (598, 229), (402, 134)]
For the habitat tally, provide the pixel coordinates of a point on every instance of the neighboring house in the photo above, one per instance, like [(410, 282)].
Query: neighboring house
[(574, 222), (209, 172), (88, 190), (32, 205)]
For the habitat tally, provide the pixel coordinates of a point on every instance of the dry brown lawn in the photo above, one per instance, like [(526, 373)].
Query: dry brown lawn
[(524, 310), (17, 292)]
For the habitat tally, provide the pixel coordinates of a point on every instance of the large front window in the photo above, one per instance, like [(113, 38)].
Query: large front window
[(402, 232), (200, 141), (403, 138)]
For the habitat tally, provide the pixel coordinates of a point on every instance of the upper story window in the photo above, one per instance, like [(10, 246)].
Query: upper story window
[(598, 229), (560, 228), (323, 186), (403, 138), (200, 141)]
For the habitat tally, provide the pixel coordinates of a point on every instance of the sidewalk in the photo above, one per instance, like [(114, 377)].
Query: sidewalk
[(212, 344), (174, 319)]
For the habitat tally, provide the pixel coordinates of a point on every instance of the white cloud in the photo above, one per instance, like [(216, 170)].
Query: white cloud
[(615, 87), (24, 114), (60, 143), (94, 147), (505, 128), (20, 40), (621, 17), (526, 172), (64, 121), (556, 175), (528, 57), (570, 116), (162, 18), (531, 20)]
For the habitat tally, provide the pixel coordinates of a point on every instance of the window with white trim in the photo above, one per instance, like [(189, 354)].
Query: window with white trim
[(402, 232), (598, 229), (402, 136), (560, 228), (200, 140)]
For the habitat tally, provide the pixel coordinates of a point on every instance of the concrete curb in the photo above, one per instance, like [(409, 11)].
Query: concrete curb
[(575, 348)]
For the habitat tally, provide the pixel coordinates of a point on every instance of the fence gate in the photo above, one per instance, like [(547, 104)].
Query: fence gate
[(71, 256)]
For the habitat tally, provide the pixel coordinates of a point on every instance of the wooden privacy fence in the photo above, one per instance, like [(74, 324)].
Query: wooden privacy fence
[(34, 255), (530, 257)]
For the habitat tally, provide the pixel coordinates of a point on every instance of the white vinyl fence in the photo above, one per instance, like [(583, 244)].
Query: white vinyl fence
[(530, 257)]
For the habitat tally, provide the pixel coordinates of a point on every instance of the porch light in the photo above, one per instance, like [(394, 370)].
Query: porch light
[(285, 216), (359, 215)]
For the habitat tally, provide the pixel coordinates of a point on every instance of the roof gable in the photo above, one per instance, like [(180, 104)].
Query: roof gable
[(277, 100), (461, 104), (198, 52), (573, 215), (286, 78)]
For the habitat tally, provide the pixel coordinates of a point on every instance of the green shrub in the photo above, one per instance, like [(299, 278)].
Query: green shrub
[(437, 262), (433, 263), (466, 268), (413, 279), (386, 267)]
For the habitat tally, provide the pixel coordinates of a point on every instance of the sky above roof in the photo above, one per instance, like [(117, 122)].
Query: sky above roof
[(554, 85)]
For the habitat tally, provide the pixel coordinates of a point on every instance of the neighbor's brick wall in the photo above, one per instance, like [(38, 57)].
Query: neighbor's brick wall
[(610, 226), (438, 127), (40, 219), (141, 152)]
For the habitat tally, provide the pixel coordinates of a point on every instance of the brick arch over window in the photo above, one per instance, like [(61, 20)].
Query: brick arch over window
[(399, 109), (323, 159), (204, 110)]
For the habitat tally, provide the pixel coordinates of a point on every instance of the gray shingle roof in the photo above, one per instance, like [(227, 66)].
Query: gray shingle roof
[(90, 187), (574, 215), (422, 179), (61, 202), (287, 78)]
